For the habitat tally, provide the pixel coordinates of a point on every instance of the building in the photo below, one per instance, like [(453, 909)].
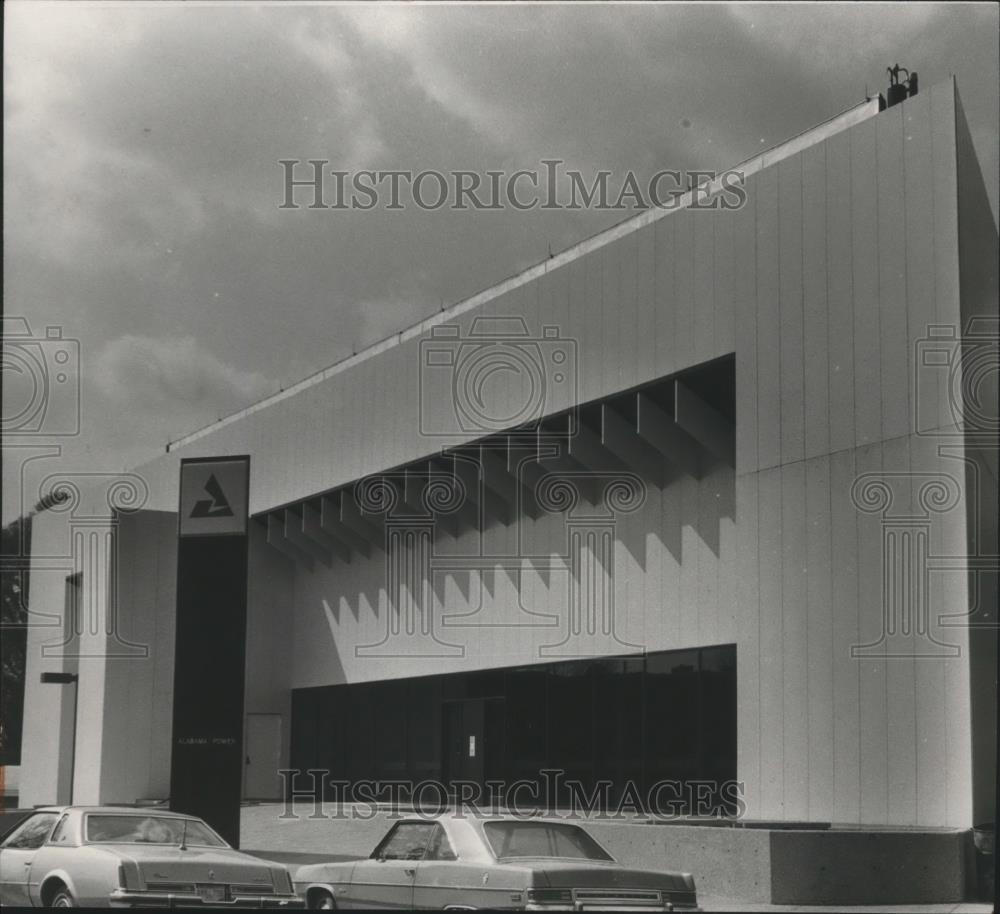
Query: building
[(708, 497)]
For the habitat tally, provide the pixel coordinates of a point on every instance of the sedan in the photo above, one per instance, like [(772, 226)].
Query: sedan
[(64, 857), (457, 862)]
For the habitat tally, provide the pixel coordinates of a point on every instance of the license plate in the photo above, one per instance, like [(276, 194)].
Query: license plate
[(212, 893), (618, 907)]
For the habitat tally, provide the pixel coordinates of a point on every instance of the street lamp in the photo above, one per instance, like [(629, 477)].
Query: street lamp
[(66, 679)]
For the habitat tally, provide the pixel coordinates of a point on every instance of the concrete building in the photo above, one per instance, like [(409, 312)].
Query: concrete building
[(709, 497)]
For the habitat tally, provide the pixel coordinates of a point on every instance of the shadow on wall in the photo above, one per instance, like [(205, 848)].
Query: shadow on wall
[(702, 505)]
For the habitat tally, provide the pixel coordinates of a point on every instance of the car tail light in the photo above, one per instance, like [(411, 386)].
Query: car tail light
[(550, 896), (128, 874), (282, 881)]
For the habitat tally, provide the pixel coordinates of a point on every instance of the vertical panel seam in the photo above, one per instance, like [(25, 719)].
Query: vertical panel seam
[(805, 470)]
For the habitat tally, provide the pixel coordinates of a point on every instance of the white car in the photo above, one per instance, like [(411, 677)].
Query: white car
[(461, 863), (70, 856)]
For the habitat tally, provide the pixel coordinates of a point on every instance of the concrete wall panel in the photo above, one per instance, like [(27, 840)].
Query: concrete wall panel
[(918, 188), (768, 322), (840, 292), (892, 291), (745, 323), (665, 326), (864, 272), (704, 283), (815, 318), (684, 290), (790, 331), (795, 639), (820, 602)]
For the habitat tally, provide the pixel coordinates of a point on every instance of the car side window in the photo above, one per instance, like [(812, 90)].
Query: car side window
[(33, 832), (440, 847), (407, 841), (59, 832)]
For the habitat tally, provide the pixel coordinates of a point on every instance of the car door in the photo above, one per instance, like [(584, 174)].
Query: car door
[(385, 880), (18, 852), (440, 880)]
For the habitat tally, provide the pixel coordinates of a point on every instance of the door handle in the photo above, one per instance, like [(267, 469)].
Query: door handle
[(410, 871)]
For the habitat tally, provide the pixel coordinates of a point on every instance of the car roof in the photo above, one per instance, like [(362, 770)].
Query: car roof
[(119, 811)]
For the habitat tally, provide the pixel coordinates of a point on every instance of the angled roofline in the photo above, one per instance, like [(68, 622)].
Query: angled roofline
[(816, 134)]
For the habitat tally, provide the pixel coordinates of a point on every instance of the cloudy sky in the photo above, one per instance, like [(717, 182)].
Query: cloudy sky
[(142, 181)]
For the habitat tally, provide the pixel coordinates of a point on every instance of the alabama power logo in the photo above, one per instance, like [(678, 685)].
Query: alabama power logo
[(216, 505), (213, 497)]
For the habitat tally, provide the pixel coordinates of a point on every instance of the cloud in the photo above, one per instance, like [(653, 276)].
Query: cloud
[(410, 35), (128, 129), (178, 374), (799, 31)]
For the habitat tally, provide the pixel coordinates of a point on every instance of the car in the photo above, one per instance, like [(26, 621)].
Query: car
[(111, 856), (461, 862)]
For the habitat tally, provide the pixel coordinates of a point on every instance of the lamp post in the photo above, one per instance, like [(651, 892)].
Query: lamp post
[(66, 679)]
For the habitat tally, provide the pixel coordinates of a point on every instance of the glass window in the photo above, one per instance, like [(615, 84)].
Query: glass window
[(59, 832), (673, 716), (440, 847), (527, 733), (542, 839), (407, 841), (150, 830), (32, 833)]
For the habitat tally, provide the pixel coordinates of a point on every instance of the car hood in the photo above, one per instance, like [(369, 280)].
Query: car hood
[(162, 864)]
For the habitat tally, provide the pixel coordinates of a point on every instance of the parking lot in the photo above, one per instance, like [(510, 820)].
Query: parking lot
[(305, 839)]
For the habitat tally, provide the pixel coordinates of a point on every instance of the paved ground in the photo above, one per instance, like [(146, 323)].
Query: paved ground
[(710, 903)]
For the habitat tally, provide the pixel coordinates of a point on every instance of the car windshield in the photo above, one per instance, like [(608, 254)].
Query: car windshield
[(150, 830), (542, 839)]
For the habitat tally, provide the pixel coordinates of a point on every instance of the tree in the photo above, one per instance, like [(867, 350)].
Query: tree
[(15, 552)]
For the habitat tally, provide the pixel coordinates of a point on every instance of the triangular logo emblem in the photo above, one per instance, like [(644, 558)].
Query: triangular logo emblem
[(217, 505)]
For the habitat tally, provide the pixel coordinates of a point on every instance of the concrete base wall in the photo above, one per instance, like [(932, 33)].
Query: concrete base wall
[(868, 867), (753, 865), (725, 862)]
